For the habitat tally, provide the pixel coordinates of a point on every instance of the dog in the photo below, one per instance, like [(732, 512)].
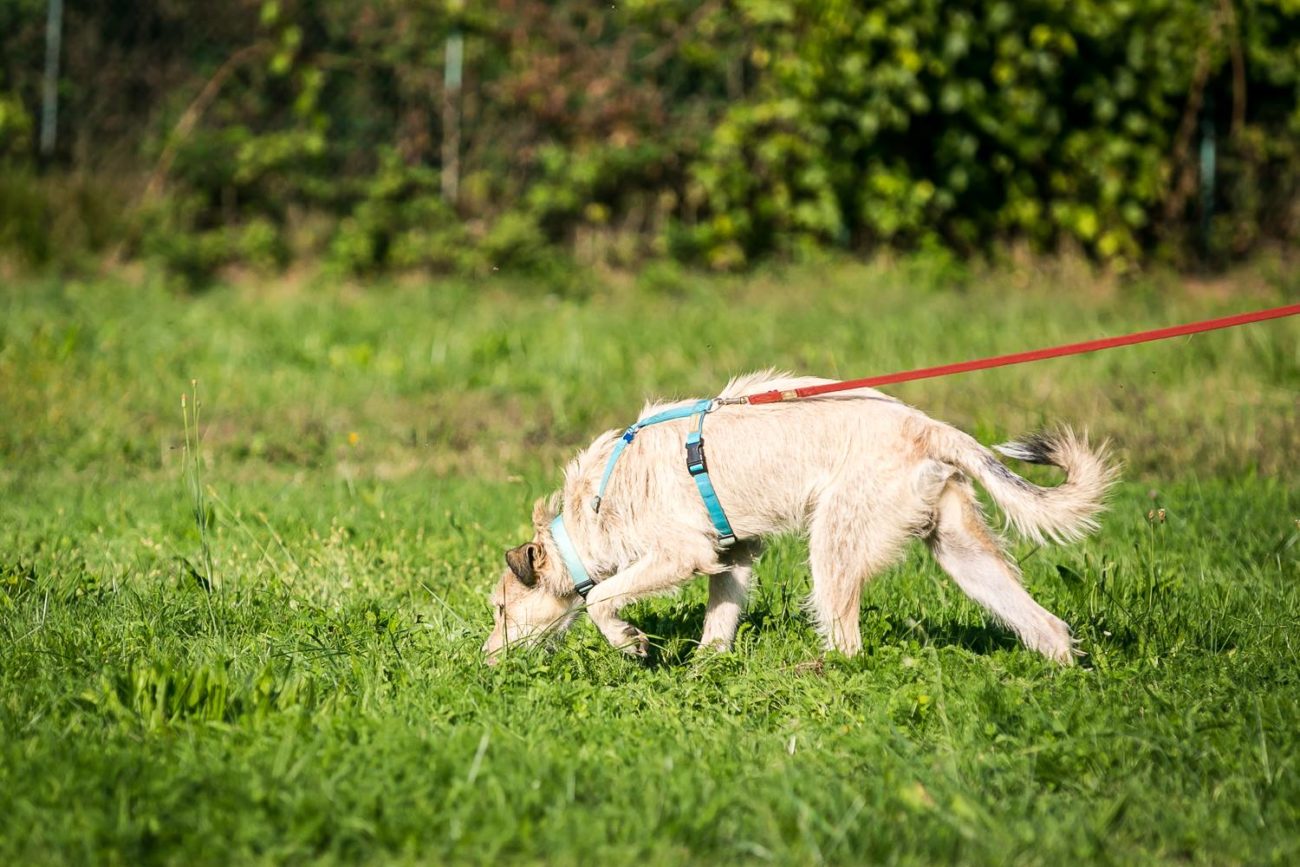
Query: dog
[(858, 472)]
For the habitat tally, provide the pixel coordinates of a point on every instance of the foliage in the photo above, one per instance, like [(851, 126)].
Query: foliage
[(1044, 120), (716, 132), (367, 456), (15, 127), (62, 220)]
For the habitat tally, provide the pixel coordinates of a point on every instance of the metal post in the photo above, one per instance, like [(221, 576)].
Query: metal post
[(1207, 173), (50, 88), (451, 80)]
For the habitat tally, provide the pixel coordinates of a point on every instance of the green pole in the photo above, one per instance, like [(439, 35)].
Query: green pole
[(1208, 168), (50, 86), (451, 81)]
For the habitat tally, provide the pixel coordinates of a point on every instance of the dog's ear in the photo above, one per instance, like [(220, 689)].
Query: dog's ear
[(543, 512), (524, 561)]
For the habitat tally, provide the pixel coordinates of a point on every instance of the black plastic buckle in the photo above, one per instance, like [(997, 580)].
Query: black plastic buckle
[(695, 458)]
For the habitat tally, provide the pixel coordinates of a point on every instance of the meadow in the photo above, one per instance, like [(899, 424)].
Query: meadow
[(264, 646)]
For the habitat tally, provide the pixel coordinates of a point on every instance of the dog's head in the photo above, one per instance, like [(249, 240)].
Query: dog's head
[(525, 604)]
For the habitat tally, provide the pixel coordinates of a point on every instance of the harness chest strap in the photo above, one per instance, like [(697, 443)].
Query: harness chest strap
[(695, 465), (699, 470), (698, 407)]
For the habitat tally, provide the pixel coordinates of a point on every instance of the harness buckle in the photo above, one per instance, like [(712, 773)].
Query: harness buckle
[(695, 458)]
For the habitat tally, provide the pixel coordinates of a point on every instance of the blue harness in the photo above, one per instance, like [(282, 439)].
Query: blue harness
[(695, 465)]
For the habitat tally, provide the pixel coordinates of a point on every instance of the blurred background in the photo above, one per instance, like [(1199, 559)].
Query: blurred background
[(304, 302), (458, 137)]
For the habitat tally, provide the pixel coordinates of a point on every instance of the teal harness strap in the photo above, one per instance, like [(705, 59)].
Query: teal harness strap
[(695, 465), (699, 470), (627, 437), (577, 572), (700, 406)]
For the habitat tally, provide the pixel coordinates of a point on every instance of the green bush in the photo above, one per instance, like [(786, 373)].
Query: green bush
[(398, 220), (716, 133), (24, 218), (57, 220), (15, 127), (1046, 120)]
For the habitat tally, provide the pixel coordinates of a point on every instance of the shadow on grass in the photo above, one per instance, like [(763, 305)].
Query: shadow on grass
[(675, 634)]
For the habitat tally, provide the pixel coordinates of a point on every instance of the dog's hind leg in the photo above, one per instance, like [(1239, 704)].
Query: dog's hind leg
[(965, 548), (727, 593), (853, 535)]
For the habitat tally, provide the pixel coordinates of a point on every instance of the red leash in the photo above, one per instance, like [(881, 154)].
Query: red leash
[(1022, 357)]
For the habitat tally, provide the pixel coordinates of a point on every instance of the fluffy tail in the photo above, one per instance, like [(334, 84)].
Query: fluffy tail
[(1060, 514)]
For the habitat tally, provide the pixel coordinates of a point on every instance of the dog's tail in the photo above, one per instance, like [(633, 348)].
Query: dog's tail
[(1060, 514)]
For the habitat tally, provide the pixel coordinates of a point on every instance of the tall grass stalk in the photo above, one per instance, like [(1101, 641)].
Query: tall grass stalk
[(193, 470)]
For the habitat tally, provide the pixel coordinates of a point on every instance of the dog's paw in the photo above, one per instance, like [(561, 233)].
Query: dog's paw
[(637, 643), (713, 646)]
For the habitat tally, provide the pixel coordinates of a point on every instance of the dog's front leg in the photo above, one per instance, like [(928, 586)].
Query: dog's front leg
[(653, 574), (727, 592)]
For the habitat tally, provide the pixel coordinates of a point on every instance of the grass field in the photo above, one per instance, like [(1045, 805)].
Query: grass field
[(302, 681)]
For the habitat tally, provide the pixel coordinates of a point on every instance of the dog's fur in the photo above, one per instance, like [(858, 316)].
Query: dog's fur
[(859, 472)]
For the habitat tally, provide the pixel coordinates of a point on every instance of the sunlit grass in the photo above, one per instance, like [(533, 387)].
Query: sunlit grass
[(253, 636)]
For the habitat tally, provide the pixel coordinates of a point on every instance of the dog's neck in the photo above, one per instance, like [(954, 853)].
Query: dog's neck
[(580, 578)]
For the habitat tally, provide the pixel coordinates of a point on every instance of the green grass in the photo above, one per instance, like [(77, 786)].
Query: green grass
[(366, 457)]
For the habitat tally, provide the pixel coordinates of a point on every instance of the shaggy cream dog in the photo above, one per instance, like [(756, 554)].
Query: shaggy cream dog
[(859, 472)]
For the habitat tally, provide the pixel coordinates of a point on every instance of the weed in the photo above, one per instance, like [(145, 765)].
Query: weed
[(192, 468)]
